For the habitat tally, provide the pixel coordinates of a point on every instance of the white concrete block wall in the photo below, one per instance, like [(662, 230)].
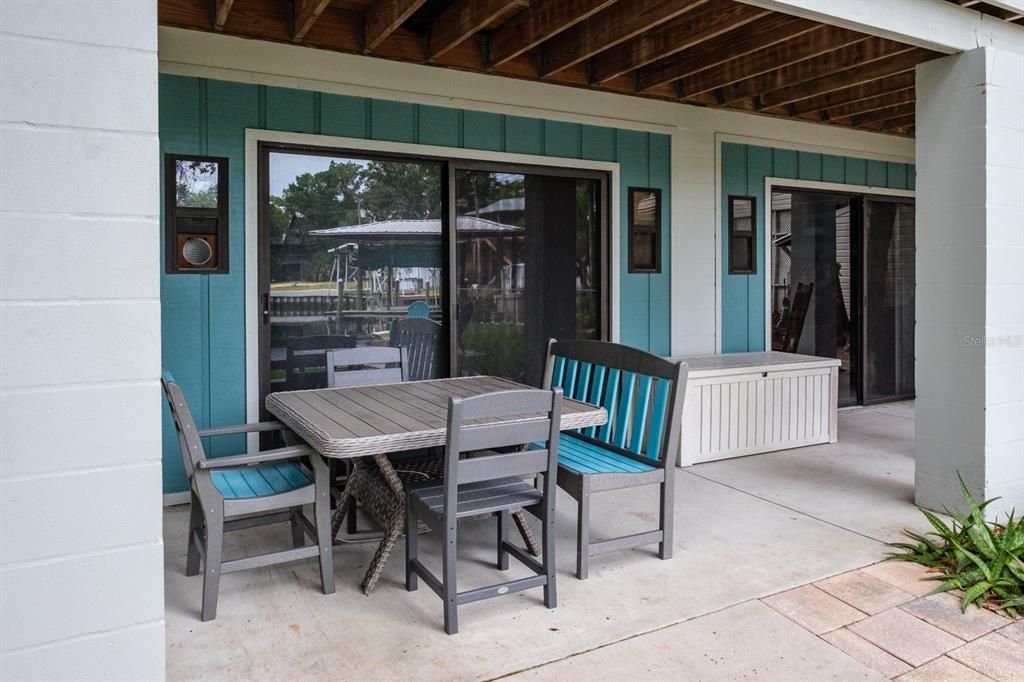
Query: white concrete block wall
[(81, 555), (970, 278)]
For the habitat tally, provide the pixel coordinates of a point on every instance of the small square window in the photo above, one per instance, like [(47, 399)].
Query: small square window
[(196, 213), (644, 230), (742, 236)]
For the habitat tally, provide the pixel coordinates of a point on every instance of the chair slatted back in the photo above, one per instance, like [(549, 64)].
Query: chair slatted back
[(642, 393), (306, 358), (511, 418), (418, 310), (365, 366), (422, 340), (189, 442)]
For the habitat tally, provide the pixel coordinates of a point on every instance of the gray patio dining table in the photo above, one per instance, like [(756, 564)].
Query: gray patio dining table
[(364, 422)]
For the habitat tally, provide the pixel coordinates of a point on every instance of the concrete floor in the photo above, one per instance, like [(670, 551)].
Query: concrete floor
[(745, 528)]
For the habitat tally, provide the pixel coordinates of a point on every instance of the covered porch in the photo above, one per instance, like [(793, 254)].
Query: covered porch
[(836, 179), (749, 528)]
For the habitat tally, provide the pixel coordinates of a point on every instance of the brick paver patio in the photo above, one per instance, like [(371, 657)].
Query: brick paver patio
[(881, 616)]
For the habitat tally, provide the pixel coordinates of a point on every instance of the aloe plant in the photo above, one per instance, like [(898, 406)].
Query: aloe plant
[(984, 560)]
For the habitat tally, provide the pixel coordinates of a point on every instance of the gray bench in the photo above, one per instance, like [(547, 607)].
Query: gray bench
[(643, 395)]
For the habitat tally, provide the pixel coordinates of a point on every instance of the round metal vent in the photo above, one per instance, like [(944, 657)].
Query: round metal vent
[(196, 251)]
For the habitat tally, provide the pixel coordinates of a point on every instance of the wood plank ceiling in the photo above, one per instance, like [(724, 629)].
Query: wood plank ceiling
[(713, 53), (1011, 11)]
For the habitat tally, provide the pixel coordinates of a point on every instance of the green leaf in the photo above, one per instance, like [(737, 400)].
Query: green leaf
[(973, 593), (942, 528)]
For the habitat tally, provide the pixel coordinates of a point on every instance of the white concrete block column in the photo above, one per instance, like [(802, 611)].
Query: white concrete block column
[(81, 552), (970, 278)]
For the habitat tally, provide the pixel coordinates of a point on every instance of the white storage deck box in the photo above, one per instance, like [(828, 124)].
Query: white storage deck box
[(746, 403)]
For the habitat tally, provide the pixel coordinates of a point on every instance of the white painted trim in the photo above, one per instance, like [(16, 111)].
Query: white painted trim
[(718, 243), (254, 136), (798, 146), (217, 56), (770, 183)]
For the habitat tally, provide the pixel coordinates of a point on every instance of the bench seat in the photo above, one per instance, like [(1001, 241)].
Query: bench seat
[(585, 457)]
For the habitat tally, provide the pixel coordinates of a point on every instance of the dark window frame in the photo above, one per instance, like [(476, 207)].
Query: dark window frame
[(172, 211), (633, 229), (731, 232)]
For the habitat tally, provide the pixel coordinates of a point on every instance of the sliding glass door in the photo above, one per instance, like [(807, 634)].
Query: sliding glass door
[(843, 287), (889, 278), (527, 267), (482, 262)]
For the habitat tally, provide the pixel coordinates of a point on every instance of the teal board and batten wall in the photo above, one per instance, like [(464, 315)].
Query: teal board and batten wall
[(203, 315), (744, 169)]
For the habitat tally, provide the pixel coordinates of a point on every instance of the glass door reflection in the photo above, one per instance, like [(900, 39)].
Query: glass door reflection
[(527, 268)]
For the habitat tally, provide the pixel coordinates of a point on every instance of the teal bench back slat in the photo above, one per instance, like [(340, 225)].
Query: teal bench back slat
[(637, 404), (558, 373), (571, 367), (595, 393), (584, 381), (611, 393), (643, 403), (625, 409), (659, 417)]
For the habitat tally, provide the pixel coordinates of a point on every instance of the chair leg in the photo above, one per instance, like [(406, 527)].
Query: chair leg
[(665, 548), (548, 558), (451, 608), (322, 514), (504, 518), (212, 562), (195, 524), (298, 535), (412, 581), (583, 533)]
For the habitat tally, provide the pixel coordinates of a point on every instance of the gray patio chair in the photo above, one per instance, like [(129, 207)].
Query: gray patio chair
[(242, 491), (422, 340), (365, 366), (490, 482), (305, 357)]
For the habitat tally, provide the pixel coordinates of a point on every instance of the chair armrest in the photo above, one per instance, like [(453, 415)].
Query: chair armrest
[(293, 452), (241, 428)]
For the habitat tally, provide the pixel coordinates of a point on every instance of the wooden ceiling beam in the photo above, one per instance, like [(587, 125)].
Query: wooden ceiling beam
[(764, 31), (672, 37), (867, 105), (462, 20), (382, 18), (854, 93), (220, 10), (829, 63), (608, 28), (304, 15), (899, 122), (886, 61), (542, 21), (818, 41), (904, 109)]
